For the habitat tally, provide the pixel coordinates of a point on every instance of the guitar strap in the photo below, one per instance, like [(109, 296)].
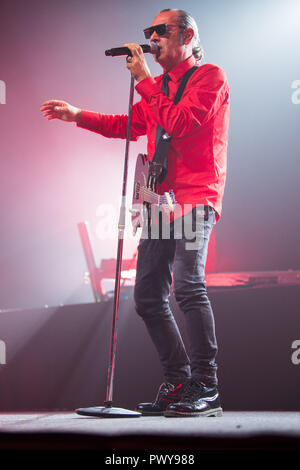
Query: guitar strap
[(159, 165)]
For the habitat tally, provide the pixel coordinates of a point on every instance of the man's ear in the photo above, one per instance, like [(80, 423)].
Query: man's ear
[(187, 35)]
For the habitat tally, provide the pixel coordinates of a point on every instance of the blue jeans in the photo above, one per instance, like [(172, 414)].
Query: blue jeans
[(157, 259)]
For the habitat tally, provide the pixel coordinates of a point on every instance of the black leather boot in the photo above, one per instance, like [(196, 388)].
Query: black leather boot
[(167, 393), (197, 400)]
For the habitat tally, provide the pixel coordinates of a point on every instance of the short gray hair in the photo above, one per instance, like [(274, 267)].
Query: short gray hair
[(187, 21)]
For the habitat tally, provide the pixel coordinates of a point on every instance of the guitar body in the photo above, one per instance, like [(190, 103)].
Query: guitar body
[(140, 181), (143, 196)]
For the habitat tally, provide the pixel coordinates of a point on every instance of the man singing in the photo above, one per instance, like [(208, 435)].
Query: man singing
[(195, 169)]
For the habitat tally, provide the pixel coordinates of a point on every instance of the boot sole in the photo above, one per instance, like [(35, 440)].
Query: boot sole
[(213, 412), (148, 413)]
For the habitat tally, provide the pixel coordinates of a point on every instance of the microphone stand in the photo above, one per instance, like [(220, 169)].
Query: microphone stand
[(107, 410)]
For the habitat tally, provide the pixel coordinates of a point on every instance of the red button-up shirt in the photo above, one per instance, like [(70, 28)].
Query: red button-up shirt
[(198, 126)]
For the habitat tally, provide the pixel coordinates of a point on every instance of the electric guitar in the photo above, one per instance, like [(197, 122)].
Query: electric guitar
[(144, 192)]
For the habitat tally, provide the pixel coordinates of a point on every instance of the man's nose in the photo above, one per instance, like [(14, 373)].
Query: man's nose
[(154, 36)]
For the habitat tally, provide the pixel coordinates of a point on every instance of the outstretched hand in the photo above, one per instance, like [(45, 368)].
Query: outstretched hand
[(56, 109)]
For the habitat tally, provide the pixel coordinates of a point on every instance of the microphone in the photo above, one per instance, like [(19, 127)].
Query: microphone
[(117, 51)]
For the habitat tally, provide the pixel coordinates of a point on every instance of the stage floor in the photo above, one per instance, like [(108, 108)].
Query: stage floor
[(234, 431)]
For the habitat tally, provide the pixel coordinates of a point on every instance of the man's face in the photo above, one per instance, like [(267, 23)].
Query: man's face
[(171, 51)]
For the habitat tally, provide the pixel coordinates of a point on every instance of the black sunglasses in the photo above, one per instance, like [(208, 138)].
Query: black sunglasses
[(160, 29)]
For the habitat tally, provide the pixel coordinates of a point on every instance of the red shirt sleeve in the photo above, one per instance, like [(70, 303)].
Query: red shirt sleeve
[(205, 92), (115, 125)]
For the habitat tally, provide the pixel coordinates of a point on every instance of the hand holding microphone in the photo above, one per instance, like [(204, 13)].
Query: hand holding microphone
[(136, 62)]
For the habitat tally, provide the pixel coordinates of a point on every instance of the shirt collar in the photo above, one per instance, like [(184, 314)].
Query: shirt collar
[(177, 72)]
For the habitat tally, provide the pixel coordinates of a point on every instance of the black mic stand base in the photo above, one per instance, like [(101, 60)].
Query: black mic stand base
[(107, 412)]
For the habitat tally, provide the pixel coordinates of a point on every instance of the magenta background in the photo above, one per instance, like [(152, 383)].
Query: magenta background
[(54, 175)]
